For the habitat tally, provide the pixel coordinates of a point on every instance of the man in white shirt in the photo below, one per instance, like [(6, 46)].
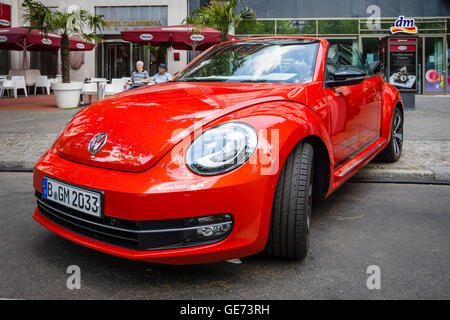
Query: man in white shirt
[(139, 78), (162, 75)]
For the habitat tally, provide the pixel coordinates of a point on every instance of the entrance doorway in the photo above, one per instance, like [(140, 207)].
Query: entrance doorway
[(117, 59), (370, 49), (435, 65)]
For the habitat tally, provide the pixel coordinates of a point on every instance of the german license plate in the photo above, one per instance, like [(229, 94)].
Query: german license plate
[(79, 199)]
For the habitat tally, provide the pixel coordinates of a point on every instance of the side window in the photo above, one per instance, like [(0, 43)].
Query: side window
[(343, 56)]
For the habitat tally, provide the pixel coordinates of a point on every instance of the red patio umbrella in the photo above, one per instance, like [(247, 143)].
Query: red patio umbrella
[(22, 39), (181, 37)]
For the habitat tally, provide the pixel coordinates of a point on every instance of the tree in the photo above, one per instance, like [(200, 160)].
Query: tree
[(222, 16), (64, 23)]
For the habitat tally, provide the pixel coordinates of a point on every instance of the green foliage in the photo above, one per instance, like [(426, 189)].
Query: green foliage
[(221, 15), (79, 22), (296, 27), (258, 27), (338, 26)]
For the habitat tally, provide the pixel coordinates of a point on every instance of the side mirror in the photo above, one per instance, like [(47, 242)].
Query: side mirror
[(347, 77)]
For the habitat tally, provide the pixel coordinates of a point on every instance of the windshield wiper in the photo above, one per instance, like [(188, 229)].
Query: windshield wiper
[(200, 80), (253, 81)]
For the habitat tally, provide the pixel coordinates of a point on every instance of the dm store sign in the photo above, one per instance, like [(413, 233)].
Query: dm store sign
[(403, 25)]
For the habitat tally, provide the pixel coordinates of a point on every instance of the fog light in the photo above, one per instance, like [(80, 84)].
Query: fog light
[(209, 228), (216, 230), (205, 232)]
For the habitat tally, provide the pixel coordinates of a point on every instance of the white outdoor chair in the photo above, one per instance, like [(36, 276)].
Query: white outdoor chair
[(116, 86), (89, 89), (16, 82), (42, 82), (2, 79)]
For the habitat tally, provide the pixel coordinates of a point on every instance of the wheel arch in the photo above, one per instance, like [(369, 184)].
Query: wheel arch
[(322, 172), (391, 100), (295, 123)]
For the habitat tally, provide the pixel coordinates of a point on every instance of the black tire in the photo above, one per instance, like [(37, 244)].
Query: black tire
[(393, 150), (291, 210)]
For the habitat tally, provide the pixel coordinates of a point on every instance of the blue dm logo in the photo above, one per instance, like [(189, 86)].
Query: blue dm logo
[(404, 25)]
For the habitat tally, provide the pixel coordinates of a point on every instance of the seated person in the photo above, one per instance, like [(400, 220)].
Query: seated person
[(162, 75), (139, 78)]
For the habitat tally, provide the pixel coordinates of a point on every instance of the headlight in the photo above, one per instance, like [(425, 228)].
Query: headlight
[(222, 148)]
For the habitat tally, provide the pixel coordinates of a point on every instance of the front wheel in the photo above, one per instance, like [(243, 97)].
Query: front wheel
[(291, 211), (393, 150)]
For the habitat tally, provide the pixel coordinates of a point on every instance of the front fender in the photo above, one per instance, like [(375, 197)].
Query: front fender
[(281, 125)]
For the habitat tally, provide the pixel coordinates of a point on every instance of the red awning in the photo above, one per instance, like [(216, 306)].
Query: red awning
[(5, 15), (34, 40), (181, 37), (80, 45)]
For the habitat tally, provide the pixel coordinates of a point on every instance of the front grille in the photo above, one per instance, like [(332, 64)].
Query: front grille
[(130, 234)]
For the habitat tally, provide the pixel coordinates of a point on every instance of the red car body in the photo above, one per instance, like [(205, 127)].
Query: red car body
[(142, 173)]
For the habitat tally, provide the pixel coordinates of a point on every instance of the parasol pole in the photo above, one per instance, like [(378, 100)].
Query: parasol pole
[(193, 46), (24, 54)]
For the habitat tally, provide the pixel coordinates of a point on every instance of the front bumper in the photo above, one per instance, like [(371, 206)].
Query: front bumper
[(166, 192)]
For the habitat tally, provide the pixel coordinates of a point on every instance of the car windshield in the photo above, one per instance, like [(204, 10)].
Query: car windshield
[(264, 60)]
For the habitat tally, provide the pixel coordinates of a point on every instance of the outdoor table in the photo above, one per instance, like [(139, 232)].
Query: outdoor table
[(98, 81)]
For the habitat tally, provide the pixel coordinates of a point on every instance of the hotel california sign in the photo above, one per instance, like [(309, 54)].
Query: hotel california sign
[(130, 18)]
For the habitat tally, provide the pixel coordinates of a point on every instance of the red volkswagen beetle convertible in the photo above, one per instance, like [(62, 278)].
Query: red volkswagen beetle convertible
[(224, 160)]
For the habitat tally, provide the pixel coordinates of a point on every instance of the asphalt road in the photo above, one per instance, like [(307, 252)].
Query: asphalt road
[(402, 229)]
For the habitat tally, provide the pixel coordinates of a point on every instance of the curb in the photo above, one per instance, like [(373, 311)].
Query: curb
[(365, 174), (24, 166), (375, 173)]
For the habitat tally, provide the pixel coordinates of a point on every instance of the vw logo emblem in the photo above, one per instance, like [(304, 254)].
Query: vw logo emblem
[(97, 142)]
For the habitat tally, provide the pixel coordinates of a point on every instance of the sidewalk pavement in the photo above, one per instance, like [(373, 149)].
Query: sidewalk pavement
[(26, 134), (426, 146)]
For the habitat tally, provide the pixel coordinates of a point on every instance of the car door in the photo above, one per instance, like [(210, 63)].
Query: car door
[(355, 110)]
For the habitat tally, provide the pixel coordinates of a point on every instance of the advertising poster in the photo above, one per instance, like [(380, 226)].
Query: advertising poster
[(403, 67)]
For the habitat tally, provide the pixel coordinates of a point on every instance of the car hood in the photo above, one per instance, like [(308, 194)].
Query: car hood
[(144, 124)]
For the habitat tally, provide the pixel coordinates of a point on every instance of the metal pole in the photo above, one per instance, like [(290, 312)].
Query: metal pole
[(193, 46), (24, 63)]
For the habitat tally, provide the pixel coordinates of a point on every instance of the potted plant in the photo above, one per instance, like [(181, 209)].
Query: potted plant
[(65, 23)]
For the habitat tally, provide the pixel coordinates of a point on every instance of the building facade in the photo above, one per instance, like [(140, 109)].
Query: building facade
[(358, 23), (113, 57), (361, 24)]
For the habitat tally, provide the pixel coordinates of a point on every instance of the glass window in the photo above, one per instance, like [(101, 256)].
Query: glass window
[(341, 56), (370, 50), (259, 27), (296, 27), (4, 62), (338, 26), (434, 65), (447, 80), (430, 25), (269, 60), (45, 61), (116, 63)]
